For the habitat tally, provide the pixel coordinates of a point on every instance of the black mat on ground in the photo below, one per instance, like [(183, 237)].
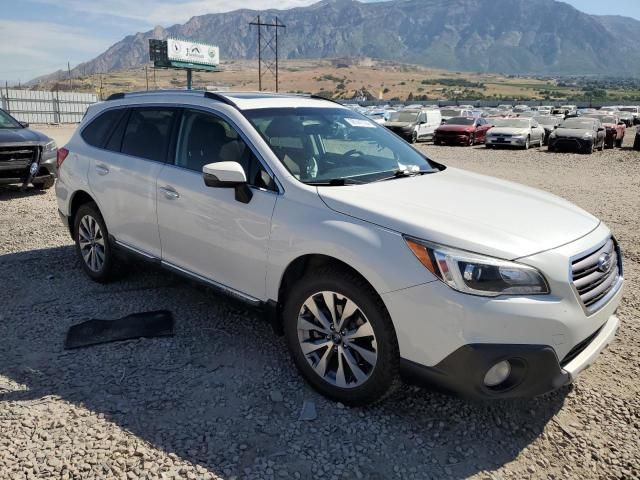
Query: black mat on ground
[(144, 324)]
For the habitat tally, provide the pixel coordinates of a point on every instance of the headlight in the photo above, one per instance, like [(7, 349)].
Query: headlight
[(588, 135), (50, 146), (518, 137), (477, 274)]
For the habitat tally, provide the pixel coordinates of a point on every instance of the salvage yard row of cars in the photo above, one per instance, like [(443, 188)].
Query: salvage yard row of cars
[(561, 128)]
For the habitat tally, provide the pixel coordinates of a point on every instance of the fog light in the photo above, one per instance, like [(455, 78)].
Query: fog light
[(497, 374)]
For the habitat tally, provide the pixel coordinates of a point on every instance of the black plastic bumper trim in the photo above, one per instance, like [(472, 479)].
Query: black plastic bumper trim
[(535, 371)]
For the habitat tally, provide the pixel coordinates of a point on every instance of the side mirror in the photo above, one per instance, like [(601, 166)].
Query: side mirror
[(228, 175), (622, 124), (601, 129), (24, 124)]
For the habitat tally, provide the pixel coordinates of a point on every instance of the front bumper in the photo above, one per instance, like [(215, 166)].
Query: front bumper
[(568, 143), (433, 322), (535, 369), (17, 173), (506, 141), (458, 138)]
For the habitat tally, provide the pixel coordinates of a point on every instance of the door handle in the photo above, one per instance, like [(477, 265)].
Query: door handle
[(170, 193), (102, 170)]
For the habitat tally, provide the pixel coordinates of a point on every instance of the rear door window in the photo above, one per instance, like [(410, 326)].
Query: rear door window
[(148, 132), (99, 129)]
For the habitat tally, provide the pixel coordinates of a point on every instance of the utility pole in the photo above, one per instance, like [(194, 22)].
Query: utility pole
[(146, 76), (266, 59), (69, 70)]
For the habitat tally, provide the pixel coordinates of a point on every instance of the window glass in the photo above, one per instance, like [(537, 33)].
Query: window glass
[(205, 138), (7, 121), (98, 130), (148, 132), (324, 145), (115, 139)]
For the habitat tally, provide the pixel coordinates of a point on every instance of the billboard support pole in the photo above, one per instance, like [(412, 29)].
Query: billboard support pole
[(189, 79)]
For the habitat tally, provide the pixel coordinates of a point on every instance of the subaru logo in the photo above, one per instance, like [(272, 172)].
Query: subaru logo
[(604, 262)]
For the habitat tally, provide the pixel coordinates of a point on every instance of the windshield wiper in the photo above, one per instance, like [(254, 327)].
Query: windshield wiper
[(335, 182), (403, 173)]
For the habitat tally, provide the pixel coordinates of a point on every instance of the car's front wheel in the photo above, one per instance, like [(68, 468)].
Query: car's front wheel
[(341, 337), (92, 243), (44, 184)]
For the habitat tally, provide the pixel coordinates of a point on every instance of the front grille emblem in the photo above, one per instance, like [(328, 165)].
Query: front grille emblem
[(604, 262)]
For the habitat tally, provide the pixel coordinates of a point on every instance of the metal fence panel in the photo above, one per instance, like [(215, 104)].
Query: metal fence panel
[(35, 106)]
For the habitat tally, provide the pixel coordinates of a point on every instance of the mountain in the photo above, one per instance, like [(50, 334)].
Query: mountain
[(507, 36)]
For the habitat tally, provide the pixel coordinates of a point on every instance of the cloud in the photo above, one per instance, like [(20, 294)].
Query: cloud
[(32, 48), (164, 12)]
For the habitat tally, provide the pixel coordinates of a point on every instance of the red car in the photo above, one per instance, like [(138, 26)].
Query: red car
[(462, 131), (615, 129)]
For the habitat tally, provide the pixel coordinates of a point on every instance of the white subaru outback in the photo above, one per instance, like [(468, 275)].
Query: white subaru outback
[(372, 259)]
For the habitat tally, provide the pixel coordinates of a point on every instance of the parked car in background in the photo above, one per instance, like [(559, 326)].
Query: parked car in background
[(462, 131), (570, 110), (580, 133), (527, 114), (505, 107), (549, 123), (614, 129), (414, 125), (377, 115), (514, 132), (26, 156), (635, 111), (545, 110), (636, 142), (521, 108), (626, 117), (448, 113), (348, 243)]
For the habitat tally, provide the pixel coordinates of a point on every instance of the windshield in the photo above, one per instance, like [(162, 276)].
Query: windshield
[(629, 109), (460, 121), (7, 121), (585, 123), (405, 117), (323, 145), (604, 118), (510, 123), (448, 112), (546, 120)]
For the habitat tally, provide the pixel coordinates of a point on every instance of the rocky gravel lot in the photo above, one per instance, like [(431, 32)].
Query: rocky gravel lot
[(222, 399)]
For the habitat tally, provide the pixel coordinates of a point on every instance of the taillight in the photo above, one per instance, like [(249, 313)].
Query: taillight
[(62, 154)]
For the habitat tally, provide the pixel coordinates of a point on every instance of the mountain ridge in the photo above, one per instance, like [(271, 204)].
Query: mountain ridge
[(507, 36)]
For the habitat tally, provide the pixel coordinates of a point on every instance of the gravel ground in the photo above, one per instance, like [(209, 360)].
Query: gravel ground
[(222, 399)]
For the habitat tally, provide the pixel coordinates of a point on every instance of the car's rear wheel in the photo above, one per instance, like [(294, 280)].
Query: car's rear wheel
[(92, 243), (341, 337)]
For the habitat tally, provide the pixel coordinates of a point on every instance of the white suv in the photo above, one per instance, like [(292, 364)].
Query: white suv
[(371, 258)]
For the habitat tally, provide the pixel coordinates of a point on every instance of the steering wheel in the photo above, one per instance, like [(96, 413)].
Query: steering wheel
[(353, 152)]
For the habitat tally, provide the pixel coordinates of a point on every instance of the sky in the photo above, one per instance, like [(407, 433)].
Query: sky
[(41, 36)]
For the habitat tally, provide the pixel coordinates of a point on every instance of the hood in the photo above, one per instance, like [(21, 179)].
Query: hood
[(466, 210), (455, 128), (21, 135), (508, 131), (399, 124), (572, 132)]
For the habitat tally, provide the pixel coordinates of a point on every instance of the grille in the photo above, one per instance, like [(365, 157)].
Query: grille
[(17, 156), (595, 275)]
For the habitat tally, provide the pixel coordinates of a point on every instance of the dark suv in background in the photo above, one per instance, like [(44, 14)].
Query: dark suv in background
[(26, 156)]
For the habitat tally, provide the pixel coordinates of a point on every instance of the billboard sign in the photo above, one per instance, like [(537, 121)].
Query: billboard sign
[(195, 53)]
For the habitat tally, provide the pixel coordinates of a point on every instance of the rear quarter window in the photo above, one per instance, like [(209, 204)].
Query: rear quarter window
[(97, 132)]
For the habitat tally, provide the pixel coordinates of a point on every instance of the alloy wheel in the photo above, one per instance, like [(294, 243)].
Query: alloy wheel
[(337, 339), (91, 241)]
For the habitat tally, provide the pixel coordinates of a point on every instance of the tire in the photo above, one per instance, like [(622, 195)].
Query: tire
[(92, 245), (45, 184), (368, 381), (601, 148), (472, 140), (592, 148), (619, 142), (527, 143), (437, 142), (611, 143), (414, 137)]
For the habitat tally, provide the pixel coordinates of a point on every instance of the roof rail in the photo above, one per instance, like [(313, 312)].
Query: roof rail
[(116, 96), (220, 98), (320, 97)]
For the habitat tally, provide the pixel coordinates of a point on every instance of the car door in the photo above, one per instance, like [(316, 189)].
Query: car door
[(205, 232), (122, 177), (423, 127), (537, 132)]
